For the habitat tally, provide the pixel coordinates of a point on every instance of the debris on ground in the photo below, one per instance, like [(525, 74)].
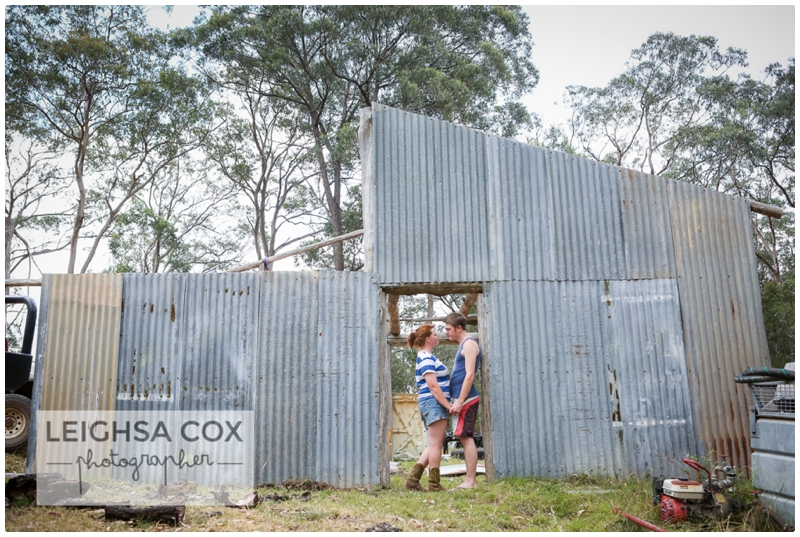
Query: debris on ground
[(159, 513), (248, 502), (306, 484), (383, 526)]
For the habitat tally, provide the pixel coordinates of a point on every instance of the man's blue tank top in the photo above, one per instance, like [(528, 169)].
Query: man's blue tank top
[(459, 372)]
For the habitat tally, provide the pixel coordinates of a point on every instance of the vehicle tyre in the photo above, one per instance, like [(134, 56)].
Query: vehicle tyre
[(18, 421)]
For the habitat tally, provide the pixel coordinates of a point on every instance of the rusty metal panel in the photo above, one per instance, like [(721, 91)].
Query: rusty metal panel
[(649, 252), (348, 395), (151, 346), (587, 220), (431, 210), (285, 399), (220, 342), (578, 363), (722, 318), (79, 366), (520, 219)]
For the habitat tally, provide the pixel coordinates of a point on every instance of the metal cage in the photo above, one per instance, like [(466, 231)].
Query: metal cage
[(774, 398)]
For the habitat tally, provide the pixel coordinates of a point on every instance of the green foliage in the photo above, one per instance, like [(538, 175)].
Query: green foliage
[(636, 119), (460, 63), (777, 300)]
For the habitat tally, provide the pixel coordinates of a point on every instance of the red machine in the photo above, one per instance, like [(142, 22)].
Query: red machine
[(679, 498)]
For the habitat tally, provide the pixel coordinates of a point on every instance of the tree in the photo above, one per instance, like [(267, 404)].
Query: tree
[(329, 61), (177, 225), (636, 120), (778, 304), (34, 184), (262, 155), (68, 72), (102, 84)]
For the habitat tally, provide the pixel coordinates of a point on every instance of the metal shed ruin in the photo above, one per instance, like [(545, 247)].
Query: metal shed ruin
[(615, 308)]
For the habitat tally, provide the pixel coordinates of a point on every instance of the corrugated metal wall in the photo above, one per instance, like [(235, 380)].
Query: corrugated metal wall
[(79, 320), (454, 205), (721, 307), (587, 377), (298, 348), (348, 436), (554, 217), (288, 334), (431, 189)]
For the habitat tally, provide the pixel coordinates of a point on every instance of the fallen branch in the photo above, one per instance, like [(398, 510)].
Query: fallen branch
[(158, 513)]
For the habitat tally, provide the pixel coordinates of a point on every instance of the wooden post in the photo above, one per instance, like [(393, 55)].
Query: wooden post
[(394, 315), (469, 300), (384, 398), (367, 187), (486, 407)]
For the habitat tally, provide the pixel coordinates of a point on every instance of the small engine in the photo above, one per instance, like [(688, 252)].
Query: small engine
[(679, 498)]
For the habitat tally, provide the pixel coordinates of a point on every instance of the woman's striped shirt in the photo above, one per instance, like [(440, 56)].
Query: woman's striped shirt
[(426, 362)]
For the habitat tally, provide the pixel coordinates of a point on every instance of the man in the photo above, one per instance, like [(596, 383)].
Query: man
[(464, 397)]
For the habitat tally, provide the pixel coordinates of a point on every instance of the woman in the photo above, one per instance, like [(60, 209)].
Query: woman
[(433, 383)]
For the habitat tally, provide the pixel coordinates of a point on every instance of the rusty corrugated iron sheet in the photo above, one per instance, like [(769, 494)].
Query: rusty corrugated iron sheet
[(587, 224), (80, 359), (455, 205), (646, 224), (721, 307), (521, 214), (152, 342), (77, 347), (595, 372)]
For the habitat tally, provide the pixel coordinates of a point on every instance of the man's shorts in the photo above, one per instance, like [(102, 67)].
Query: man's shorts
[(431, 411), (464, 423)]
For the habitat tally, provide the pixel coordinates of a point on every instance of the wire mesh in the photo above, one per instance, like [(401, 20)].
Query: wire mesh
[(774, 397)]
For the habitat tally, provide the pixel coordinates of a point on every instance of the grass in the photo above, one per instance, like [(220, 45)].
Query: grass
[(574, 503)]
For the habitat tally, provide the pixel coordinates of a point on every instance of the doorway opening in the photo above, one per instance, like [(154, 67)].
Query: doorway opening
[(405, 311)]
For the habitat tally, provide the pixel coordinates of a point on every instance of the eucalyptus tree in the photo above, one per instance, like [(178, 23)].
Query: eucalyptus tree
[(636, 120), (260, 151), (460, 63), (104, 86), (182, 224), (34, 188)]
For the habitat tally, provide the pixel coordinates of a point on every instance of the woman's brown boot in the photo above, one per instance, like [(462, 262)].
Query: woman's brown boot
[(433, 481), (412, 483)]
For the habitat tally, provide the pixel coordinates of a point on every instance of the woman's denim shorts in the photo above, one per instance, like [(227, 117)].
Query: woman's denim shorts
[(431, 411)]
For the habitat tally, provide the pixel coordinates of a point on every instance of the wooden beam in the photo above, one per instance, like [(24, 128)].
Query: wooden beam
[(23, 283), (402, 340), (767, 210), (470, 320), (394, 314), (298, 251), (438, 289), (469, 300)]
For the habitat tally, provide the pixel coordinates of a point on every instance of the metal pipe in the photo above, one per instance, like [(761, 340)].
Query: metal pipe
[(639, 521)]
